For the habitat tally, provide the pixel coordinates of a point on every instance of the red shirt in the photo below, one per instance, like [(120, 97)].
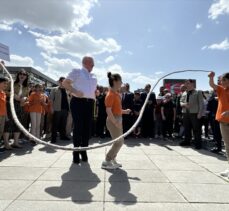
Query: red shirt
[(2, 103)]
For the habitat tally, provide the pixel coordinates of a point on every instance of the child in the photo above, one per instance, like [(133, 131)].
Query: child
[(36, 107), (222, 114), (168, 113), (136, 110), (3, 113), (114, 119)]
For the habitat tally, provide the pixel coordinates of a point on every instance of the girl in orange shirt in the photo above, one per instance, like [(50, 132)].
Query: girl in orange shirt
[(222, 114), (114, 119), (36, 107)]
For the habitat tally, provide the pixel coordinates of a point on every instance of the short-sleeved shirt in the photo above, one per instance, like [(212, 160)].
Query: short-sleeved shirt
[(83, 81), (35, 102), (2, 103), (223, 104), (113, 100)]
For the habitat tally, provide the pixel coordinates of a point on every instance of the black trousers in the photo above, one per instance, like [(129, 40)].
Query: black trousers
[(205, 123), (148, 124), (167, 127), (127, 120), (59, 123), (192, 123), (82, 114), (101, 125), (216, 132)]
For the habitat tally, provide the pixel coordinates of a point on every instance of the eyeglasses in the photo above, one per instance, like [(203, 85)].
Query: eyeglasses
[(23, 74)]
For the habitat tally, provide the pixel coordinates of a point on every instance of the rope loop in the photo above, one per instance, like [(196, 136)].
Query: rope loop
[(39, 141)]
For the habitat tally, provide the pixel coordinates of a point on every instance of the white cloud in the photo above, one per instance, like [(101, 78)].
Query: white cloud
[(220, 7), (130, 53), (150, 46), (136, 79), (19, 32), (76, 44), (109, 59), (26, 61), (56, 67), (199, 26), (49, 15), (4, 26), (159, 72), (224, 45), (16, 60)]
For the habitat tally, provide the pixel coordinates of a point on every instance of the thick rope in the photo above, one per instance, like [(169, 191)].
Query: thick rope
[(39, 141)]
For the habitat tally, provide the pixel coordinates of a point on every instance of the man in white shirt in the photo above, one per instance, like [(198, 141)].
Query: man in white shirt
[(82, 84)]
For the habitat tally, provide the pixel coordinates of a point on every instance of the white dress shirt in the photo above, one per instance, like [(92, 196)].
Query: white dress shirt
[(84, 81)]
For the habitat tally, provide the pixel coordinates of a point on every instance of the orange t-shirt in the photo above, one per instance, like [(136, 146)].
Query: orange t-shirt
[(113, 101), (223, 104), (35, 102), (2, 103)]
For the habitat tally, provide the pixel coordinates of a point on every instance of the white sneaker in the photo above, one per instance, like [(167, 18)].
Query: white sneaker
[(116, 163), (225, 173), (109, 165)]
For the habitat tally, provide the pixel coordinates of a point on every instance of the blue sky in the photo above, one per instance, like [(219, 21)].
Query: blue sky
[(141, 39)]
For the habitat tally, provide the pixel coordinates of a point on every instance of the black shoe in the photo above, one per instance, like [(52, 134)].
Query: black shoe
[(65, 138), (2, 150), (198, 147), (76, 157), (84, 156), (216, 150), (53, 141), (185, 143), (33, 143)]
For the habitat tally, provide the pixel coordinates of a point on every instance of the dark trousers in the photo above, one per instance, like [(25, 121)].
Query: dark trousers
[(148, 124), (216, 132), (82, 114), (100, 125), (178, 123), (205, 123), (167, 127), (59, 123), (127, 120), (192, 123)]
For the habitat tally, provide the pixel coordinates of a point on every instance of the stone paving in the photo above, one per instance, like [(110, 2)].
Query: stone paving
[(156, 175)]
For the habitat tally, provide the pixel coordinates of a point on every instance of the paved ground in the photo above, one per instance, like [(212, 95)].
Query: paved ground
[(156, 175)]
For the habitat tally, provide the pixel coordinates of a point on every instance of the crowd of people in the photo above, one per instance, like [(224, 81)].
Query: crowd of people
[(70, 112)]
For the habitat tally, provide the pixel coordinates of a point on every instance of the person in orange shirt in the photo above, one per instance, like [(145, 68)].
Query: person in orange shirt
[(36, 107), (114, 111), (3, 113), (222, 114)]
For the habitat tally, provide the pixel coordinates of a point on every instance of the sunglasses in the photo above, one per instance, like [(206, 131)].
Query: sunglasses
[(23, 74)]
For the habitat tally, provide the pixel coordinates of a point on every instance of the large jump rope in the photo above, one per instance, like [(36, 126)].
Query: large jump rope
[(39, 141)]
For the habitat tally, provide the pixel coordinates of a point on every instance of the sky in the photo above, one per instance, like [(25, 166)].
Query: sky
[(140, 39)]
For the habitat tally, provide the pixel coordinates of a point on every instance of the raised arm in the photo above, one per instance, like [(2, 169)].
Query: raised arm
[(211, 80)]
